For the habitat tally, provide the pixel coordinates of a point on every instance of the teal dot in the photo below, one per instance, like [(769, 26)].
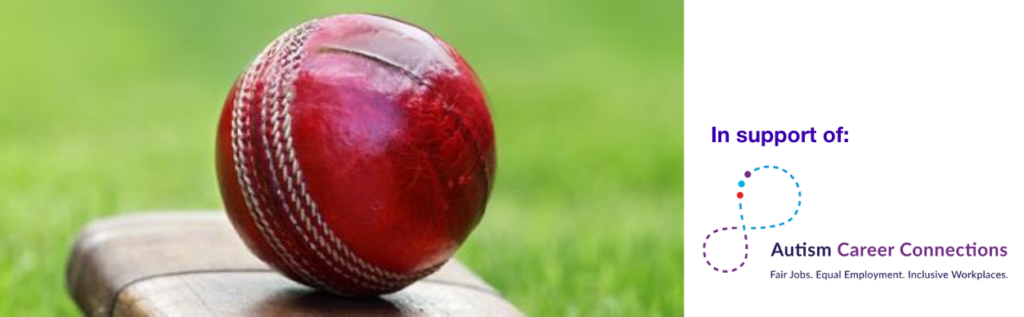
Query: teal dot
[(742, 184)]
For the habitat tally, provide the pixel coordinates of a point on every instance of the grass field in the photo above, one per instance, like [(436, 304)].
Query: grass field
[(109, 107)]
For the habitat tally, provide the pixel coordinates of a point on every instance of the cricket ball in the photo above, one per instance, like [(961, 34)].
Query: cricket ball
[(355, 154)]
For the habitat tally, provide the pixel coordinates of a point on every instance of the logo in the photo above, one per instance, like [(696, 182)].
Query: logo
[(755, 220)]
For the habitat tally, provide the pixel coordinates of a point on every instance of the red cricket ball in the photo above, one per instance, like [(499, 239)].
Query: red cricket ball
[(356, 154)]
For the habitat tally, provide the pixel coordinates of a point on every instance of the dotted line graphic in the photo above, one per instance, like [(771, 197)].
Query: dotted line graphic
[(799, 194), (745, 247), (739, 195)]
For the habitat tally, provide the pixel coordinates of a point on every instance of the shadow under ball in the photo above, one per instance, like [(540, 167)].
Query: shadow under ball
[(355, 154)]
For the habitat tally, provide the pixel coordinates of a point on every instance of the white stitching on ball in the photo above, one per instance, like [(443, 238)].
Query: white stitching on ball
[(284, 76), (279, 75), (301, 195), (240, 137)]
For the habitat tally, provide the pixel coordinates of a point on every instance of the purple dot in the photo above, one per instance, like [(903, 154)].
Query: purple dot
[(747, 174)]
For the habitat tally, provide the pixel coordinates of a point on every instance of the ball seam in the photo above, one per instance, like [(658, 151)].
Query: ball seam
[(241, 137)]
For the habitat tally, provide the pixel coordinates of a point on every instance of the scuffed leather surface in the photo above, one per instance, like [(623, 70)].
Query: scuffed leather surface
[(392, 132)]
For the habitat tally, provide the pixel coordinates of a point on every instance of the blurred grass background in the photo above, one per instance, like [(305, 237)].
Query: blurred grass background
[(109, 106)]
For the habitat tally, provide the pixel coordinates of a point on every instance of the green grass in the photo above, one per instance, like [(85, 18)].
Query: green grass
[(109, 107)]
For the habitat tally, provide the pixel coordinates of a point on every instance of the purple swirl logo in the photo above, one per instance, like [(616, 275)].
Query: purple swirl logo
[(758, 178)]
